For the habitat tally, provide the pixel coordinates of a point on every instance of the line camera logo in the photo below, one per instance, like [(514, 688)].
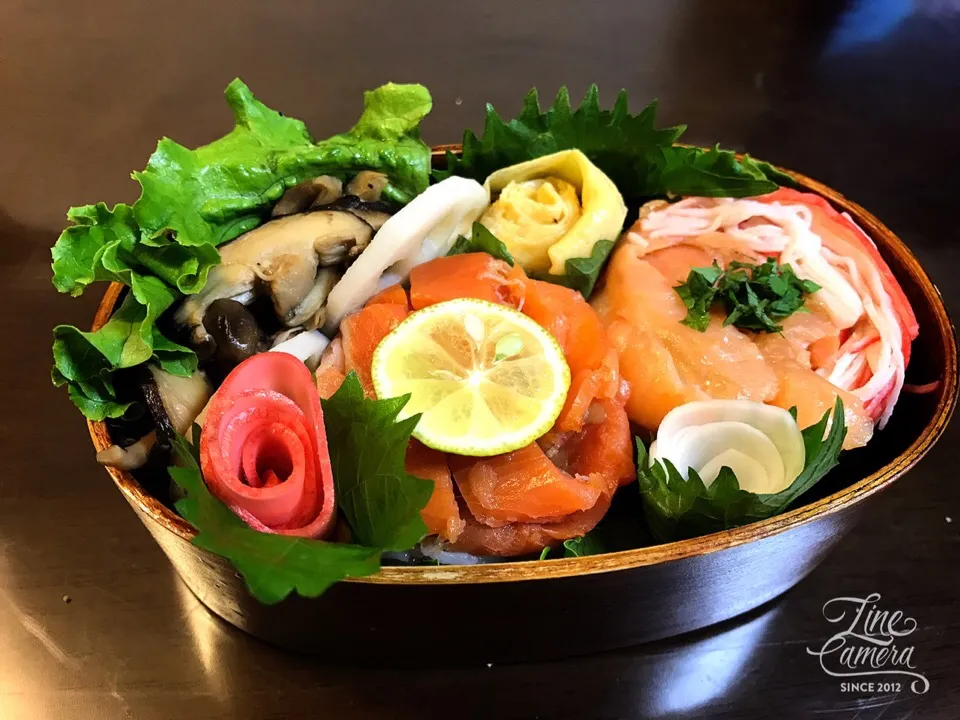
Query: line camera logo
[(871, 646)]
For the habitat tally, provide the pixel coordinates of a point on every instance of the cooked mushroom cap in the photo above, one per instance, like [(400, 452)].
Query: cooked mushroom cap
[(316, 191), (183, 397), (234, 331), (374, 213), (367, 185), (173, 401), (283, 255)]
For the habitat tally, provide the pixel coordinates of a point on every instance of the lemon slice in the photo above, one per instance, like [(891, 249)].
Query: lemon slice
[(486, 378)]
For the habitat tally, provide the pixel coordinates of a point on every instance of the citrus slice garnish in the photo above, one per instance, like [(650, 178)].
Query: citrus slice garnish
[(485, 378)]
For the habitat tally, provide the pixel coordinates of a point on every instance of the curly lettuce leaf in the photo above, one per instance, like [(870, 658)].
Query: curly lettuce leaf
[(641, 159), (86, 361), (191, 201), (273, 566), (678, 508), (213, 194), (368, 445)]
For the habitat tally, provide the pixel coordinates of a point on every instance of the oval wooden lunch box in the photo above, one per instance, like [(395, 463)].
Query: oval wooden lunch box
[(529, 610)]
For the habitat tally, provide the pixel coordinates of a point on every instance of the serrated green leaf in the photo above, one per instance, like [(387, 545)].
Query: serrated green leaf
[(707, 173), (582, 273), (678, 508), (368, 445), (273, 566), (482, 240), (641, 159), (589, 544)]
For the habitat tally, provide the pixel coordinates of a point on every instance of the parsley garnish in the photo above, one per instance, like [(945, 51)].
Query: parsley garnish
[(754, 297)]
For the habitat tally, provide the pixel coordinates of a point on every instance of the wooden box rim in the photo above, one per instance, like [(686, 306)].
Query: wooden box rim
[(626, 559)]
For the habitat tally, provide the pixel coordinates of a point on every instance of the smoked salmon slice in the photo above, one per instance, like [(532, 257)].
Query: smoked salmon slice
[(472, 275), (577, 328), (665, 362), (329, 380), (551, 490), (527, 538), (548, 491), (522, 486), (442, 514), (360, 334), (567, 316), (393, 295)]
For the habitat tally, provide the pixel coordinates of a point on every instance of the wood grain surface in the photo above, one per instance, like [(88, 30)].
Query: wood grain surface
[(860, 95)]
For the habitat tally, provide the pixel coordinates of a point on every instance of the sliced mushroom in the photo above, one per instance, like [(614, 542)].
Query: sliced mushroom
[(230, 281), (181, 398), (284, 255), (235, 334), (316, 191), (374, 213), (131, 457), (309, 311), (367, 185)]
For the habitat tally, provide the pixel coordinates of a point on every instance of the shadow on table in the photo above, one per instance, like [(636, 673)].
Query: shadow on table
[(658, 679)]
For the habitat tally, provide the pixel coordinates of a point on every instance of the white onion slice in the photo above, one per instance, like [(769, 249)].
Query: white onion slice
[(762, 444), (423, 230), (307, 347)]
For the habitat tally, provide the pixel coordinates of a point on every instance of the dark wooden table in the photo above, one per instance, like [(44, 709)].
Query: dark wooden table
[(93, 622)]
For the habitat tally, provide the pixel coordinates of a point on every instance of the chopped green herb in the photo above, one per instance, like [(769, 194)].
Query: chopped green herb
[(754, 297)]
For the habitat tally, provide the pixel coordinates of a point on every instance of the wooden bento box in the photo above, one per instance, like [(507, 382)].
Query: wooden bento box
[(526, 610)]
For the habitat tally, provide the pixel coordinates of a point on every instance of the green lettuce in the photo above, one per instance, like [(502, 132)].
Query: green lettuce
[(677, 508), (192, 201)]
